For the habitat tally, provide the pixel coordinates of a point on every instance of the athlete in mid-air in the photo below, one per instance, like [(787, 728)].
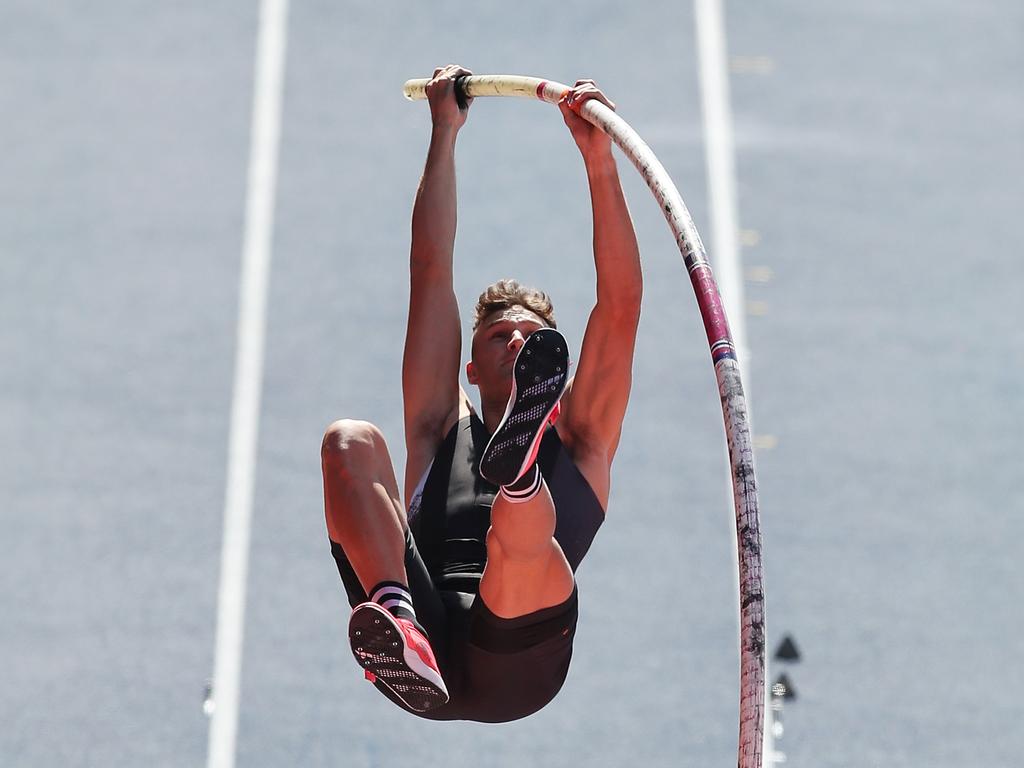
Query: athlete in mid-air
[(465, 600)]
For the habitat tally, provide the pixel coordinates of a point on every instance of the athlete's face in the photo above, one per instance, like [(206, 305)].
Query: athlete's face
[(496, 343)]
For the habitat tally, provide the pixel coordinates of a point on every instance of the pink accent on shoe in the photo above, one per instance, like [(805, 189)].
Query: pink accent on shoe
[(416, 642)]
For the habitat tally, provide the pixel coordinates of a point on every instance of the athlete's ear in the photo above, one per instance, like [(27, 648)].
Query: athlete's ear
[(471, 373)]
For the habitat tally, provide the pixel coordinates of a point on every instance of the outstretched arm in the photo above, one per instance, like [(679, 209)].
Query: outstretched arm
[(430, 367), (595, 405)]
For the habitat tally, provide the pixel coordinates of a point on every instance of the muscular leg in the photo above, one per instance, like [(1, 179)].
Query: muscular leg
[(362, 502), (526, 569)]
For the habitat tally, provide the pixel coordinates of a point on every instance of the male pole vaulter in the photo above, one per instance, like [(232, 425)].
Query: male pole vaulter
[(465, 601)]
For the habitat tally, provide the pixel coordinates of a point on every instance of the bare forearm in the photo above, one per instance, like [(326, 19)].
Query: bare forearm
[(430, 369), (616, 253), (434, 212)]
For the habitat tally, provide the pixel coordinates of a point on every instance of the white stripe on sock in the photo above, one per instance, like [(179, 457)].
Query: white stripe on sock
[(390, 590), (390, 596), (519, 497), (396, 601)]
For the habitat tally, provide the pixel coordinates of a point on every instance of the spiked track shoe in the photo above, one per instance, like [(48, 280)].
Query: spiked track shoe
[(539, 377), (395, 654)]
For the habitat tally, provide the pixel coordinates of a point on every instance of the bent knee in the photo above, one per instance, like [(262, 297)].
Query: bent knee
[(520, 546), (349, 444), (519, 582)]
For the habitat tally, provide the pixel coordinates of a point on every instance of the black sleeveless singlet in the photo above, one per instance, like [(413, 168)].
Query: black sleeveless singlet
[(450, 517)]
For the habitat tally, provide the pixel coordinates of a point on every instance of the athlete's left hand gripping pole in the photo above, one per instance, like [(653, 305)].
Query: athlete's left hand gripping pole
[(727, 373)]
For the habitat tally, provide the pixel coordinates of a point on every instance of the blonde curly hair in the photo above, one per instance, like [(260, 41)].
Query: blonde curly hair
[(509, 293)]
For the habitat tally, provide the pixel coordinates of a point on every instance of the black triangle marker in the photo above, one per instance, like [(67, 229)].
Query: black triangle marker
[(787, 650)]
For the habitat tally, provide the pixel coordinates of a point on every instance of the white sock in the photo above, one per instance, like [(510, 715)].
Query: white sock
[(525, 488), (395, 598)]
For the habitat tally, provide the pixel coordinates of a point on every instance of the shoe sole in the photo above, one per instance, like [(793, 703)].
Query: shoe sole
[(379, 646), (539, 377)]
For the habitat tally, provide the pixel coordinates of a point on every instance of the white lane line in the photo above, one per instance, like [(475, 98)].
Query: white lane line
[(245, 408), (725, 258), (720, 157)]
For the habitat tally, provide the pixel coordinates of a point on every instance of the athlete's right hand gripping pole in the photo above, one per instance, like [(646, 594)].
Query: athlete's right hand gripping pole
[(727, 372)]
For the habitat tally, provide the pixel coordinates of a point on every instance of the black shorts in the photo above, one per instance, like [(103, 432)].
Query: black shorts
[(496, 669)]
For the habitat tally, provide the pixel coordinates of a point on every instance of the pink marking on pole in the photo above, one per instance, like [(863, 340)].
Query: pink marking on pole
[(716, 326), (540, 89)]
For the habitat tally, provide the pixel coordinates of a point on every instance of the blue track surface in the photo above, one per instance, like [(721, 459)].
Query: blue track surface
[(879, 161)]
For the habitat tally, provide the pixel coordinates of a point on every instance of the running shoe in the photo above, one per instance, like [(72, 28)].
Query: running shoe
[(539, 377), (395, 653)]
